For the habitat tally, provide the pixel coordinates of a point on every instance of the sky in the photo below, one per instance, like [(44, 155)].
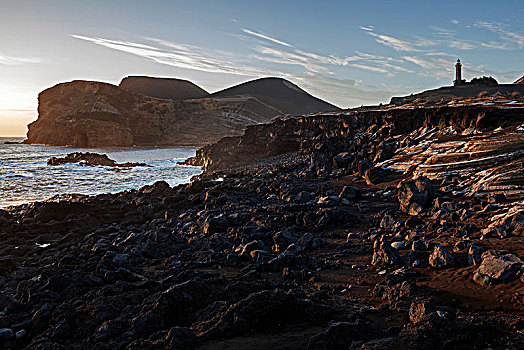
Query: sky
[(349, 53)]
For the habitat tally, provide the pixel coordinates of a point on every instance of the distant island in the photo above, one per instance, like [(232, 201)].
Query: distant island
[(146, 111)]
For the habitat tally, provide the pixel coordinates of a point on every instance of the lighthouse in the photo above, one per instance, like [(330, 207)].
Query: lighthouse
[(458, 74)]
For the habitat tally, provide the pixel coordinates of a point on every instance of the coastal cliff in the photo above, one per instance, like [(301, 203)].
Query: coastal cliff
[(95, 114), (307, 133)]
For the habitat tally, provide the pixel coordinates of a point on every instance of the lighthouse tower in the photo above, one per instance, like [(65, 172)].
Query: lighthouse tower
[(458, 74)]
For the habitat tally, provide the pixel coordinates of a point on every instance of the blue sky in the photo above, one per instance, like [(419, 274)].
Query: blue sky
[(347, 52)]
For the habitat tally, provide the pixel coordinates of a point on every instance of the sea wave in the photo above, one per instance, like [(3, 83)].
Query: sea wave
[(25, 177)]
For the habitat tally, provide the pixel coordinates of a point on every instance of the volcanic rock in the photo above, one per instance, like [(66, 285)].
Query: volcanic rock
[(441, 257), (418, 191), (497, 269), (285, 249), (90, 159), (384, 254)]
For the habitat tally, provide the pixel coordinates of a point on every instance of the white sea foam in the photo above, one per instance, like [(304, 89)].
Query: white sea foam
[(25, 176)]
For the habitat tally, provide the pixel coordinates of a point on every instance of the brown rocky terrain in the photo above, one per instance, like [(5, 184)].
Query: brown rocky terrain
[(165, 88), (94, 114), (398, 227)]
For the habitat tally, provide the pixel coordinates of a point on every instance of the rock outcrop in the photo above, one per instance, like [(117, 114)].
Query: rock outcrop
[(94, 114), (90, 159)]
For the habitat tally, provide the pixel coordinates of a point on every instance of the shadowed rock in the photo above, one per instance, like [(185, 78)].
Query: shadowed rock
[(90, 159)]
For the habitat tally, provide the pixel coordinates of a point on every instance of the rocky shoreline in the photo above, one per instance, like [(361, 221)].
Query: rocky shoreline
[(380, 229)]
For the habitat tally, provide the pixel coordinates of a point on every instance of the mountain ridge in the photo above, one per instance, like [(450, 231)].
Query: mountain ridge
[(94, 114), (164, 88)]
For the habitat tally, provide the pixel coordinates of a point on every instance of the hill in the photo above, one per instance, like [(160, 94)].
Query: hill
[(166, 88), (520, 81), (279, 93), (95, 114), (449, 93)]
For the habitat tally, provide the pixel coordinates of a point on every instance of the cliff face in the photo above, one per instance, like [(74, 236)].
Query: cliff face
[(344, 132), (85, 114), (166, 88), (94, 114)]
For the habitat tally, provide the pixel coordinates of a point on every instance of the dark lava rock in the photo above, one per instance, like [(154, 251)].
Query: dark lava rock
[(384, 254), (340, 335), (417, 191), (475, 254), (342, 160), (91, 159), (179, 338), (497, 269), (441, 257)]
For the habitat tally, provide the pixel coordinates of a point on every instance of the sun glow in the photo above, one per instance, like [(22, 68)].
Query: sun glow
[(17, 109)]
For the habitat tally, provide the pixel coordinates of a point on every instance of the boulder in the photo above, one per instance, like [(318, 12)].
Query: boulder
[(215, 224), (419, 191), (90, 159), (350, 193), (384, 254), (6, 334), (497, 269), (441, 257), (426, 311), (342, 160), (387, 222), (475, 254)]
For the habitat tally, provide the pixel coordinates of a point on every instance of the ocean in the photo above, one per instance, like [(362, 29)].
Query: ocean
[(25, 176)]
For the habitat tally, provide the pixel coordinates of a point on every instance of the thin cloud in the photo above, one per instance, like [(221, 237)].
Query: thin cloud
[(14, 61), (517, 39), (368, 28), (455, 21), (436, 66), (170, 44), (443, 32), (395, 43), (266, 37), (370, 68), (315, 63), (497, 45), (269, 54), (347, 92), (461, 44), (184, 56)]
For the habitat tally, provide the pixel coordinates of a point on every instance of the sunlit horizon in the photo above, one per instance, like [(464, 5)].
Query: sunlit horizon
[(348, 54)]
